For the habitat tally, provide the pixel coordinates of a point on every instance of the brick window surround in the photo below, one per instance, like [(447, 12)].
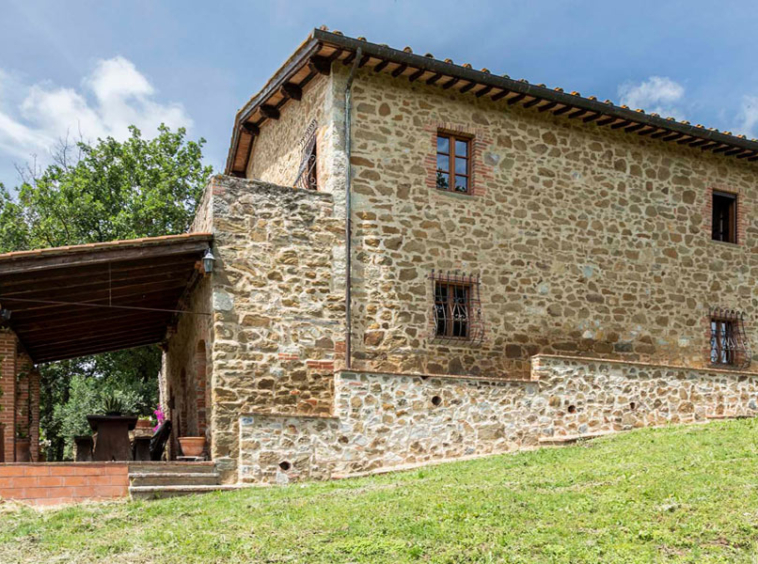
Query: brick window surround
[(479, 172), (740, 219)]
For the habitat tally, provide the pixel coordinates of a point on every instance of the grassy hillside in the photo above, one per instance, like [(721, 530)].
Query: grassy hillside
[(680, 494)]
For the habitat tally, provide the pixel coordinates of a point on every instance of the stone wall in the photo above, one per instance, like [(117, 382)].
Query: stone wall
[(588, 241), (278, 304), (185, 378), (384, 421)]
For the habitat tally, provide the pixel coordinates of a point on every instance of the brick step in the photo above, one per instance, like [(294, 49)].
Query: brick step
[(166, 467), (571, 439), (161, 492), (173, 478)]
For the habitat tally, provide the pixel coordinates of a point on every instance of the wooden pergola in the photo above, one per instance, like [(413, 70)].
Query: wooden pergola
[(68, 302)]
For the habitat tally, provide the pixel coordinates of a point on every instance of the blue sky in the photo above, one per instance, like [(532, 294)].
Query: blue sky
[(97, 66)]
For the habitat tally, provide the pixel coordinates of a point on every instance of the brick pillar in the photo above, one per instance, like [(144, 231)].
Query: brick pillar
[(8, 389), (34, 416)]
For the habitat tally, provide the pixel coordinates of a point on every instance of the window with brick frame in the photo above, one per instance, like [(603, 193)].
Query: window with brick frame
[(453, 162), (729, 346), (724, 218), (457, 308)]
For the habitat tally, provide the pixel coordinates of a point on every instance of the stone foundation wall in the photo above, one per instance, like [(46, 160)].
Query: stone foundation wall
[(385, 420)]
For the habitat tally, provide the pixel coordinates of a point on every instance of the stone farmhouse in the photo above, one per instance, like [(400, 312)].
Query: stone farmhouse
[(419, 261)]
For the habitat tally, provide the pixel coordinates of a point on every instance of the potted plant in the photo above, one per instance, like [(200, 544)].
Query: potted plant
[(23, 444), (192, 446), (113, 406)]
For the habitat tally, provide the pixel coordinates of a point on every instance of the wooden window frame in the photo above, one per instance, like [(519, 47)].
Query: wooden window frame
[(731, 235), (451, 155)]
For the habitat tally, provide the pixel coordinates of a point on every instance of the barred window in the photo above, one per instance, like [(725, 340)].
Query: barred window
[(729, 345), (453, 163), (457, 308)]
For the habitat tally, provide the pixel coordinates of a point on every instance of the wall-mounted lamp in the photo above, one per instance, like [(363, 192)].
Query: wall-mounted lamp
[(208, 261)]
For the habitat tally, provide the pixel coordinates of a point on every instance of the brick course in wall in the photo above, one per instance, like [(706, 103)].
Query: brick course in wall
[(8, 392), (59, 483)]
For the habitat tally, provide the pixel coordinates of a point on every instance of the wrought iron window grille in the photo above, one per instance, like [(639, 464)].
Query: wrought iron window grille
[(457, 308), (729, 342), (306, 173)]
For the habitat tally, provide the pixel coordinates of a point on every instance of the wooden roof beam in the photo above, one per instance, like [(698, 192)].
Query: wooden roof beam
[(292, 91), (450, 83), (320, 65), (269, 112), (251, 128), (516, 99), (381, 66), (416, 75), (465, 88), (399, 70)]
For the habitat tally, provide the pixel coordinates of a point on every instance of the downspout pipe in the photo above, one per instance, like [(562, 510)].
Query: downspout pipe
[(348, 213)]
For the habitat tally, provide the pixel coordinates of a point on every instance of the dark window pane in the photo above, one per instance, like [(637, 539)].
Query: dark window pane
[(461, 184), (443, 144), (461, 148), (461, 165), (724, 217), (443, 163), (443, 181)]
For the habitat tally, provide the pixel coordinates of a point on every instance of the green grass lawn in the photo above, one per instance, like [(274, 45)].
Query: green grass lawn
[(680, 494)]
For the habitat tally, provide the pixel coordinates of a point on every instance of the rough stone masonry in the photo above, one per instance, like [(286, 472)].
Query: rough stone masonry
[(597, 270)]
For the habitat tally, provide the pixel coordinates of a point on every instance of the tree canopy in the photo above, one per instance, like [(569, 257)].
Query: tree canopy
[(105, 191)]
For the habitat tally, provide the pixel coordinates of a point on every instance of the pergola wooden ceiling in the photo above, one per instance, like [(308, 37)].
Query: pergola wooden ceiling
[(323, 48), (68, 302)]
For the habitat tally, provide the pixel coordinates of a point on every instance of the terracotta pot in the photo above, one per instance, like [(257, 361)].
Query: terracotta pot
[(144, 424), (192, 446), (23, 450)]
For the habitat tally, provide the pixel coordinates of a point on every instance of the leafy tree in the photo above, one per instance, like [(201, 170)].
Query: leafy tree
[(99, 192)]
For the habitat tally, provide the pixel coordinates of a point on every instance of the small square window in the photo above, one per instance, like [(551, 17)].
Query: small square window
[(453, 163), (724, 221)]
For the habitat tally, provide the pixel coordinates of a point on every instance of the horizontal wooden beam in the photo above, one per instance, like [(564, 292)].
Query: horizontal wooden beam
[(93, 255)]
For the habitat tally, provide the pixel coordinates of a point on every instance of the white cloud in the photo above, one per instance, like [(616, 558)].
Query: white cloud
[(748, 119), (112, 97), (657, 94)]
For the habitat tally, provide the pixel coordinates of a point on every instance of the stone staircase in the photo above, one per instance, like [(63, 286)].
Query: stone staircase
[(157, 480)]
